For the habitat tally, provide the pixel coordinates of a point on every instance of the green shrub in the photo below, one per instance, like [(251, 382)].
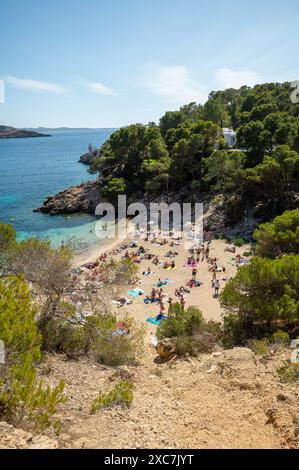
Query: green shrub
[(214, 328), (236, 330), (199, 343), (193, 334), (185, 346), (113, 188), (280, 337), (219, 236), (61, 333), (22, 395), (109, 348), (120, 395), (17, 321), (95, 336), (7, 243), (259, 298), (181, 322), (63, 337), (279, 236), (289, 372), (47, 268), (247, 254), (258, 346), (239, 241)]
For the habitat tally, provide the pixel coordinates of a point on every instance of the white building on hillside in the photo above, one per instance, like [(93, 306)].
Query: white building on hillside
[(230, 137)]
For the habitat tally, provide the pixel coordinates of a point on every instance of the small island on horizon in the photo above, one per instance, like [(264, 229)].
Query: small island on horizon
[(7, 132)]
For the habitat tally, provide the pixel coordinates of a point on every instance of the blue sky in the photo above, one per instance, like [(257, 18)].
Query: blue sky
[(96, 63)]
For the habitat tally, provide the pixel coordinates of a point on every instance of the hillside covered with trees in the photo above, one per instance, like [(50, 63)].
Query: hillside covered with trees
[(186, 153)]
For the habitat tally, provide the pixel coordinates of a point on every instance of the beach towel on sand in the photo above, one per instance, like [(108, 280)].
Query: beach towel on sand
[(232, 262), (154, 320), (149, 301), (135, 292), (186, 265), (244, 262), (164, 282)]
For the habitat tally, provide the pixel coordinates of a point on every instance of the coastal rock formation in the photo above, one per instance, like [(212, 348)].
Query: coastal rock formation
[(88, 157), (82, 198)]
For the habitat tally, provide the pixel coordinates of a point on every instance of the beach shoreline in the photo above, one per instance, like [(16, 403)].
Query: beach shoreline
[(92, 253)]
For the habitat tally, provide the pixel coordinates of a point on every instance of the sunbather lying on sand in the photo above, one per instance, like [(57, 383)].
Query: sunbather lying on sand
[(120, 301), (171, 254), (148, 272), (161, 282), (230, 249), (121, 329), (193, 283)]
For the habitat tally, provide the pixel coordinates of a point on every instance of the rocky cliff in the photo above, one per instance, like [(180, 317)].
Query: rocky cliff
[(82, 198)]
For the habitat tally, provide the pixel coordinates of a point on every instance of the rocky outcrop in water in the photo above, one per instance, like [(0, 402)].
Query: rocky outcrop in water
[(88, 157), (82, 198)]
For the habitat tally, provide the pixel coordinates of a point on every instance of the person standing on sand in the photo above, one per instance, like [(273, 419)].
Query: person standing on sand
[(194, 272), (216, 286), (161, 305)]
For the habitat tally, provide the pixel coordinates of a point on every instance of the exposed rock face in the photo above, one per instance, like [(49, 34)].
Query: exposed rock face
[(88, 157), (13, 438), (82, 198), (166, 348)]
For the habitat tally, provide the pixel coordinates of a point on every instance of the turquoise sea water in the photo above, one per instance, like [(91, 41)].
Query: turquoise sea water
[(32, 169)]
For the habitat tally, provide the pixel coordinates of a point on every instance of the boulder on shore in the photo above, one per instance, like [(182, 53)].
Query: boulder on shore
[(82, 198), (166, 348)]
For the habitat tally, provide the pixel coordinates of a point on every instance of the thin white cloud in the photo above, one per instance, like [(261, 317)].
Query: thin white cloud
[(33, 85), (173, 83), (228, 78), (97, 87)]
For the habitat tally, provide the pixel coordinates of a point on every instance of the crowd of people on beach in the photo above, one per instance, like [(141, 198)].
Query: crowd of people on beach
[(197, 257)]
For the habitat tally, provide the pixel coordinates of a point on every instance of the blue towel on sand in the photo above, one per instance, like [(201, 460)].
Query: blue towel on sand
[(154, 320), (135, 292)]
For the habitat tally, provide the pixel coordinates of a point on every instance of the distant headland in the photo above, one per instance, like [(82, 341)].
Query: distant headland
[(7, 132)]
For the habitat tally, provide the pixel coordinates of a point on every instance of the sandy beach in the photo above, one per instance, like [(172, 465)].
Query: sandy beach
[(202, 296)]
